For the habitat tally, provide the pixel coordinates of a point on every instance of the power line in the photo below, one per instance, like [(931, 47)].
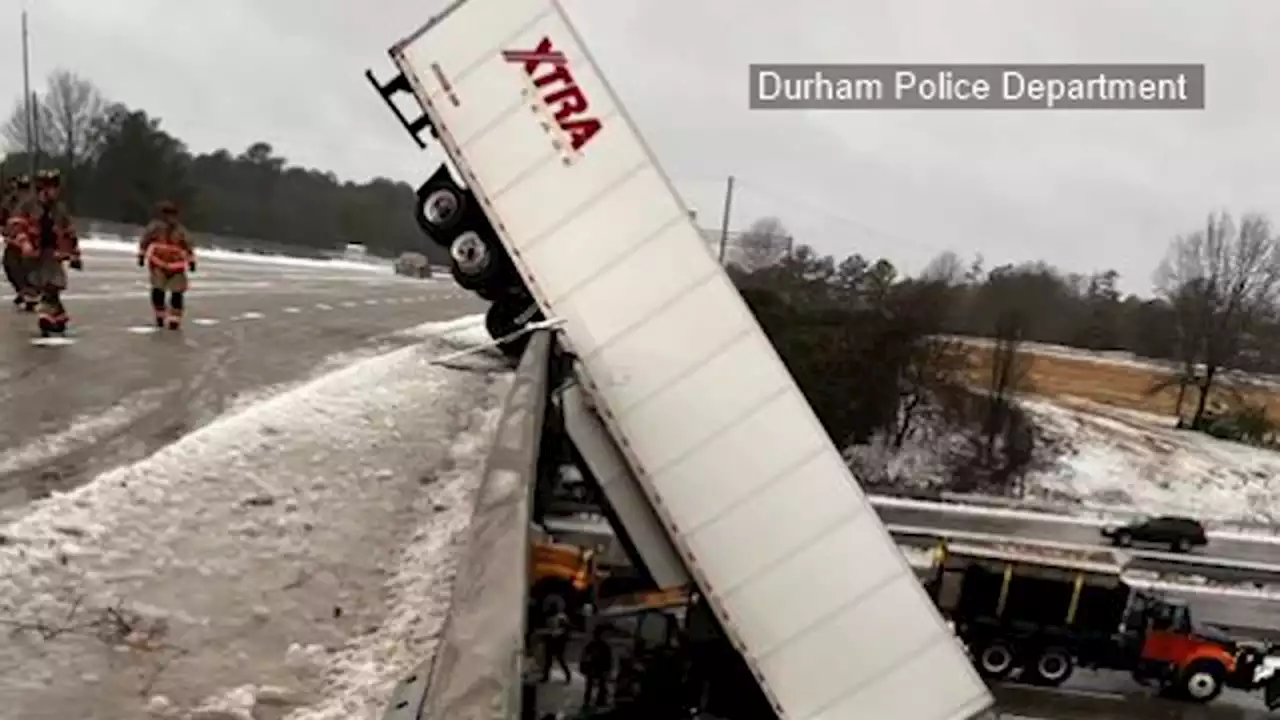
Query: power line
[(811, 206), (822, 209)]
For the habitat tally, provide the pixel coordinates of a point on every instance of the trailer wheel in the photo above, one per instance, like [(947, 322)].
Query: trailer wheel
[(995, 660), (1202, 680), (1052, 667), (439, 210)]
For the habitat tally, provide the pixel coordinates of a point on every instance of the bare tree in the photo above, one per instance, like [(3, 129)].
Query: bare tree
[(14, 130), (1222, 280), (946, 268), (1008, 372), (933, 362), (73, 108), (764, 244)]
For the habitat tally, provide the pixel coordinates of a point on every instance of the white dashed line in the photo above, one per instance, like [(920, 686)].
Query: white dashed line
[(53, 341), (253, 315)]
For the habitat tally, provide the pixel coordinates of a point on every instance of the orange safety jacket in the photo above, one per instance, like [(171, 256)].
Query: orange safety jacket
[(25, 225), (167, 247)]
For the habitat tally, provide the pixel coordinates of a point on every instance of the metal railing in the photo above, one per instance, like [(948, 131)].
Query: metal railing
[(478, 666)]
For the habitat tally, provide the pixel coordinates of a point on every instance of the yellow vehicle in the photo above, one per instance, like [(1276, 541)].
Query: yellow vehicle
[(574, 574), (565, 571)]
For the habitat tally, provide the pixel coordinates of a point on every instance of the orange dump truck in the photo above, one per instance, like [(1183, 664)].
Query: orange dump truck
[(1036, 619)]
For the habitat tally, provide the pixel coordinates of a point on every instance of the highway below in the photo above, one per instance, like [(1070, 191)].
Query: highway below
[(1239, 609), (117, 389), (1052, 527), (1112, 696)]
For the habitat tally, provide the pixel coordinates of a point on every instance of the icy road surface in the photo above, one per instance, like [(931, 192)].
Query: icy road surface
[(119, 389), (289, 559)]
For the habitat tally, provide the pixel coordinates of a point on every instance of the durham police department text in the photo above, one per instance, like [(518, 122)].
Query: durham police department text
[(958, 87)]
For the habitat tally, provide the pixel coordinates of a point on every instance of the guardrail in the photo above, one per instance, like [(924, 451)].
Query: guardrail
[(478, 666)]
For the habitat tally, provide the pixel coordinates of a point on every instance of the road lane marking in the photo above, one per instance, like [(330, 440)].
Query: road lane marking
[(53, 341)]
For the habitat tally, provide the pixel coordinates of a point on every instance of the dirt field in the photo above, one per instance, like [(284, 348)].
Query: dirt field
[(1120, 384)]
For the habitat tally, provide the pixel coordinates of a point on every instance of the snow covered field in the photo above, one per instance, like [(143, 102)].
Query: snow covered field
[(289, 560), (1135, 462), (1106, 461), (112, 244)]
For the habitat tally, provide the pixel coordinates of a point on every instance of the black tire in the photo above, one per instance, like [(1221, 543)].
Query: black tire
[(504, 318), (1201, 681), (429, 195), (480, 264), (1181, 545), (1051, 667), (995, 659), (1122, 539)]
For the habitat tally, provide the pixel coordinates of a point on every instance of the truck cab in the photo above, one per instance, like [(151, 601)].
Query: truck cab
[(1189, 662)]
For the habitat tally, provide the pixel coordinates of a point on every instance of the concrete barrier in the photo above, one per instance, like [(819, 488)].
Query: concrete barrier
[(477, 669)]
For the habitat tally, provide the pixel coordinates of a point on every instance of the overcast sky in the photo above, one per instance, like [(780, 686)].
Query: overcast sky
[(1083, 190)]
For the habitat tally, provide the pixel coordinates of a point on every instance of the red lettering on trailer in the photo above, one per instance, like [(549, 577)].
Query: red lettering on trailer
[(560, 91)]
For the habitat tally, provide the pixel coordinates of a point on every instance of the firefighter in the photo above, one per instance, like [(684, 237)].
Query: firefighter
[(16, 264), (50, 240), (166, 251)]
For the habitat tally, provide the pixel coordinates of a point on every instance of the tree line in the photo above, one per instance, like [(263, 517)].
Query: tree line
[(118, 162)]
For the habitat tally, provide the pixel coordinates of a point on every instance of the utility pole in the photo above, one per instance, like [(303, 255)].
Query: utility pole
[(30, 109), (724, 224)]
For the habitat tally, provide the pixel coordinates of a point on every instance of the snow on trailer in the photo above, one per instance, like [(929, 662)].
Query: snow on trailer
[(766, 515)]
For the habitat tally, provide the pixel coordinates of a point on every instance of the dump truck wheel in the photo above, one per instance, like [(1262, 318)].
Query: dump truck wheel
[(1052, 667), (995, 660), (1202, 681)]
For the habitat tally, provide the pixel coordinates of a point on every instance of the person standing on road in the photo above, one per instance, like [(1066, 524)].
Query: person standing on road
[(555, 640), (50, 240), (17, 267), (596, 666), (166, 251)]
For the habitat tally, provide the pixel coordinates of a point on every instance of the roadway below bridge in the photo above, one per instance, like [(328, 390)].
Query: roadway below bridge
[(1240, 609), (1057, 528), (117, 389), (1114, 696)]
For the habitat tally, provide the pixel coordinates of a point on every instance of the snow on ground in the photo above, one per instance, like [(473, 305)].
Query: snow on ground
[(1135, 462), (111, 244), (291, 559), (1104, 460)]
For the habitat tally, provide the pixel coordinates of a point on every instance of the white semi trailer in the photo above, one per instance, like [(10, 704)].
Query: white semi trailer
[(729, 477)]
